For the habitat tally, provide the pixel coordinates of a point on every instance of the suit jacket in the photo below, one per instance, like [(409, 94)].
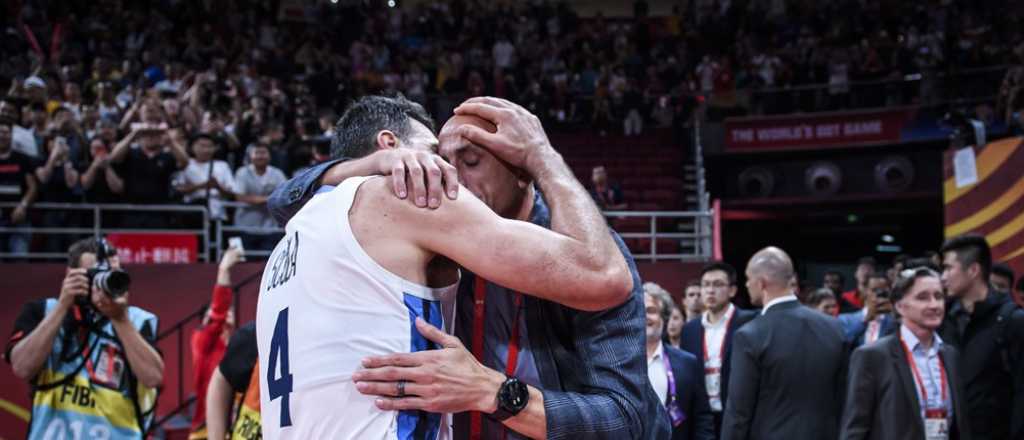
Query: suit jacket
[(788, 376), (881, 400), (691, 395), (855, 328), (692, 340)]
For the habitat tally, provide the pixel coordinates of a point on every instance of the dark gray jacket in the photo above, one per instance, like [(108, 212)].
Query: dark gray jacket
[(788, 376), (881, 402)]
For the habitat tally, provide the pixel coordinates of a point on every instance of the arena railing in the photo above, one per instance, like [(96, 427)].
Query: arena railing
[(97, 213), (697, 241), (693, 242)]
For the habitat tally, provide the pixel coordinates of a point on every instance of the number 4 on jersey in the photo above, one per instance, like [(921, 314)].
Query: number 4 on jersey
[(279, 349)]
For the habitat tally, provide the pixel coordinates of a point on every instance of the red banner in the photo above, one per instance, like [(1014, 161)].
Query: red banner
[(155, 248), (814, 131)]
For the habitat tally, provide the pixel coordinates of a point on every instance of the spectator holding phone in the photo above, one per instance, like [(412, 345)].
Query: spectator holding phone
[(875, 320), (100, 181), (150, 155), (58, 183)]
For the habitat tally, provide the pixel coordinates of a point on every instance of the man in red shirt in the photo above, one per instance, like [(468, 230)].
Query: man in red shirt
[(210, 340), (853, 300)]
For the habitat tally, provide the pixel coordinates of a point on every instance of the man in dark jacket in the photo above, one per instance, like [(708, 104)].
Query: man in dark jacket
[(988, 330), (709, 338), (676, 375), (588, 365)]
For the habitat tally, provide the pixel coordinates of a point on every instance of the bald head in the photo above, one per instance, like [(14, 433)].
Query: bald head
[(769, 274), (450, 138)]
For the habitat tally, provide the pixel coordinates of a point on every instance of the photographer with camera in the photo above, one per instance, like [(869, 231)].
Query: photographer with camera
[(88, 356)]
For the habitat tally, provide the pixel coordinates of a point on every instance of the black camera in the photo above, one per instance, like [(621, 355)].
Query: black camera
[(881, 293), (113, 282)]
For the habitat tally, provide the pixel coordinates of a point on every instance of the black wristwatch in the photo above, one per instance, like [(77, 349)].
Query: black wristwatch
[(512, 398)]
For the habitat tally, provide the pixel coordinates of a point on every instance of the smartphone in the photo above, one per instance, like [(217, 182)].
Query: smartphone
[(236, 242)]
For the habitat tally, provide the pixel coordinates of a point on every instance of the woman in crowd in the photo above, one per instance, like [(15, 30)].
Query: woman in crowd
[(674, 327), (824, 301)]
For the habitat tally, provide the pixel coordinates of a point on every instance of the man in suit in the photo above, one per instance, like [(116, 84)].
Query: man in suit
[(788, 366), (675, 375), (710, 337), (885, 398), (875, 320)]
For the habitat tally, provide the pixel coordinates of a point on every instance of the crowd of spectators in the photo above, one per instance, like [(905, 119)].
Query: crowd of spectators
[(205, 102)]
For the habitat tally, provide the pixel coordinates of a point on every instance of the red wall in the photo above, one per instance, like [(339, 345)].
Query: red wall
[(173, 292)]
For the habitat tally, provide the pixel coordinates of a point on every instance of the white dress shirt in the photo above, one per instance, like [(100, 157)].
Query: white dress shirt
[(714, 336), (928, 366), (657, 374)]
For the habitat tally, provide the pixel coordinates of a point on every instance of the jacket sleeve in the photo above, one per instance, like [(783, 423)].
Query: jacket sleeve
[(289, 197), (1016, 353), (744, 383), (702, 422), (860, 398), (614, 399)]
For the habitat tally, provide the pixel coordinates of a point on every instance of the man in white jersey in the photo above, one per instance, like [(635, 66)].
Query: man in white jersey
[(357, 266)]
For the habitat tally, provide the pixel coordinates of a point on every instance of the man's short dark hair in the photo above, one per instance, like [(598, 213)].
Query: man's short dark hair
[(970, 249), (206, 136), (915, 263), (730, 272), (355, 134), (83, 246), (9, 123), (693, 283), (1004, 270)]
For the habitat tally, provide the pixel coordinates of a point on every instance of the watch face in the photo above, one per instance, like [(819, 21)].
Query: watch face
[(514, 395)]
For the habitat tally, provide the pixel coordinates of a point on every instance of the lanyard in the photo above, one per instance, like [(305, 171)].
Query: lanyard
[(721, 349), (479, 297), (920, 382), (674, 412)]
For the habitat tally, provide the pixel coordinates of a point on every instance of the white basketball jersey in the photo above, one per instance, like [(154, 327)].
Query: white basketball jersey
[(324, 305)]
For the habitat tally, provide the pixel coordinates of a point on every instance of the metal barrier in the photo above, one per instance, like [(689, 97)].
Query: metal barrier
[(97, 228), (694, 245), (698, 241)]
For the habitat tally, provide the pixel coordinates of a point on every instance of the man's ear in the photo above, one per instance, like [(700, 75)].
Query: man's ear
[(386, 139), (974, 271)]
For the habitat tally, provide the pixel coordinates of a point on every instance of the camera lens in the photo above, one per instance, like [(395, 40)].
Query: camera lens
[(114, 282)]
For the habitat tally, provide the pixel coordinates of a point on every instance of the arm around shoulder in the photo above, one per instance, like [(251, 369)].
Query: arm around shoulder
[(518, 255)]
